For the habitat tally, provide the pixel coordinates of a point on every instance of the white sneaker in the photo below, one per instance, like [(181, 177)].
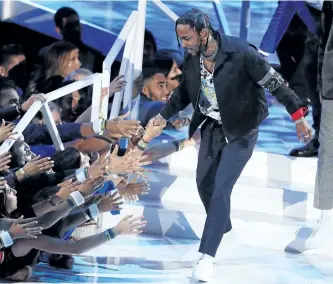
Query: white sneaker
[(321, 236), (204, 270), (319, 239)]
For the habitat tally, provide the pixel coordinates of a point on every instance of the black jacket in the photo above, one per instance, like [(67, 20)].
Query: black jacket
[(239, 68)]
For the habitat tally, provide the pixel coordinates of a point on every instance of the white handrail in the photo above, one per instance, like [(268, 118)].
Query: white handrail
[(38, 105), (115, 49), (140, 37), (56, 94), (171, 14), (22, 124), (129, 47)]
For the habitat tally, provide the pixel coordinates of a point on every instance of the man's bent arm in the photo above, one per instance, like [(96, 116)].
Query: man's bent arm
[(264, 75)]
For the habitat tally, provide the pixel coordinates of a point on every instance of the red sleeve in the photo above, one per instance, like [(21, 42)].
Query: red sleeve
[(300, 113)]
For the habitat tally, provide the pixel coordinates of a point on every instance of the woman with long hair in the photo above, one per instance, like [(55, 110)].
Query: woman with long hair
[(60, 60)]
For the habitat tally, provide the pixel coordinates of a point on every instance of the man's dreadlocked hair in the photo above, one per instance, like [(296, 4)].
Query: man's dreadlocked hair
[(197, 20)]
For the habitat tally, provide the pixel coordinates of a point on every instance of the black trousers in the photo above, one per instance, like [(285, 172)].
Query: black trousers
[(310, 78), (219, 166)]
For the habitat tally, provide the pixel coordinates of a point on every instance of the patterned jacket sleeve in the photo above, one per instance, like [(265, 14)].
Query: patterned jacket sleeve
[(264, 75)]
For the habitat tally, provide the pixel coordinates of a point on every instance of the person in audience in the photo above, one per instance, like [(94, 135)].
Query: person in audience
[(38, 134), (149, 47), (70, 158), (10, 56), (154, 93), (67, 25), (174, 78), (60, 60), (174, 75), (19, 259), (56, 112)]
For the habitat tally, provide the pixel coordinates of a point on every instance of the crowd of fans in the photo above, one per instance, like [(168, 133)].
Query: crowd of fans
[(45, 194)]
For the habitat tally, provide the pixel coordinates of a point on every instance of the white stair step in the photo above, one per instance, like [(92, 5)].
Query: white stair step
[(181, 192), (276, 236), (263, 169)]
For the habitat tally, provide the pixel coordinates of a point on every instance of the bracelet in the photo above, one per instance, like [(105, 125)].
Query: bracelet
[(86, 172), (142, 144), (23, 173), (86, 215), (75, 199), (51, 202), (159, 116), (110, 234), (98, 126), (81, 175), (302, 119), (104, 124), (181, 145), (7, 240), (93, 212)]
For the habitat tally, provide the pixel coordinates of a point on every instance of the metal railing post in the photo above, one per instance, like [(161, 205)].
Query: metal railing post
[(52, 127), (115, 49), (129, 47)]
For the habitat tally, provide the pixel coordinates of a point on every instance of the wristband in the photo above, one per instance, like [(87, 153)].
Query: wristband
[(110, 234), (23, 173), (86, 215), (6, 239), (77, 198), (300, 120), (98, 126), (81, 175), (142, 145), (51, 202), (93, 212), (159, 116)]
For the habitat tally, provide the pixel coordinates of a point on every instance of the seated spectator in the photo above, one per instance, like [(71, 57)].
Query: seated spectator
[(155, 92), (149, 47), (174, 75), (61, 59), (174, 78), (10, 56)]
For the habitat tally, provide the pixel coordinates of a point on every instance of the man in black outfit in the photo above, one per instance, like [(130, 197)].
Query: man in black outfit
[(224, 79)]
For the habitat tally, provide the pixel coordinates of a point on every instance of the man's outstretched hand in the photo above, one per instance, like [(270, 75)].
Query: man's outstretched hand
[(303, 130)]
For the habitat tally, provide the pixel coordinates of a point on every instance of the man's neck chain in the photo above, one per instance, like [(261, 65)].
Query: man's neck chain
[(212, 57)]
